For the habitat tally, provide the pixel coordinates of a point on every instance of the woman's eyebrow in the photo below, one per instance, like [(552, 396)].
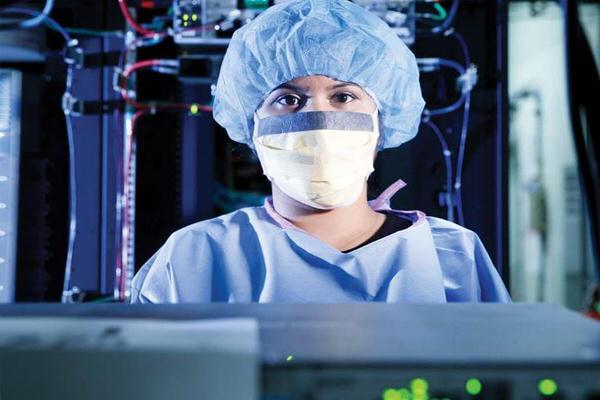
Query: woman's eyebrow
[(291, 87), (300, 89), (342, 84)]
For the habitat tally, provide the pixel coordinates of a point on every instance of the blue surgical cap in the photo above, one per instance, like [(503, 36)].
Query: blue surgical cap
[(335, 38)]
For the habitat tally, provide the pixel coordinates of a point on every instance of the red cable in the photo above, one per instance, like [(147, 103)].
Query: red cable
[(127, 72), (126, 172), (121, 220), (127, 15), (139, 65), (122, 261), (142, 109), (146, 64)]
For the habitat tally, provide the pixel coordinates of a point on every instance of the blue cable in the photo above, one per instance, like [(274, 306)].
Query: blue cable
[(456, 105), (463, 46), (51, 23), (463, 137), (449, 19), (39, 18), (448, 161), (460, 160), (448, 109), (67, 295), (465, 100), (451, 64)]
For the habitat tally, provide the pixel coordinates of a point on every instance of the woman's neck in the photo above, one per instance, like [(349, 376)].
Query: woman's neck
[(342, 228)]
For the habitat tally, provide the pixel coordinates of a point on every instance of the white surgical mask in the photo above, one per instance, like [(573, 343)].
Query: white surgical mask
[(319, 158)]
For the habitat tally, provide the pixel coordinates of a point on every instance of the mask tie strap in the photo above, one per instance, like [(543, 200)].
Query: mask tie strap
[(282, 222), (383, 199)]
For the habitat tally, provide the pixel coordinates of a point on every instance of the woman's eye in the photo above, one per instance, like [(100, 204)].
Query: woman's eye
[(344, 97), (289, 100)]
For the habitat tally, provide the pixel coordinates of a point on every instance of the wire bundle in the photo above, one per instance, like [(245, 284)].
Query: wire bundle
[(467, 79)]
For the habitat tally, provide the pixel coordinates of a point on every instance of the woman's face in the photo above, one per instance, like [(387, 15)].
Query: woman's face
[(316, 93)]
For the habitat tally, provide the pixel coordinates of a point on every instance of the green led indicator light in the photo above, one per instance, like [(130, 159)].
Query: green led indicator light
[(391, 394), (185, 17), (289, 358), (419, 385), (185, 23), (399, 394), (473, 386), (194, 17), (547, 387), (194, 109)]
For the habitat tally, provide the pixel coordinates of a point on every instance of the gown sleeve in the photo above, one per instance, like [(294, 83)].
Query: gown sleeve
[(184, 270), (153, 283), (491, 285), (468, 272)]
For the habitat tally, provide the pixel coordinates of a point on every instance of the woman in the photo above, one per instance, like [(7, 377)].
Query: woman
[(316, 88)]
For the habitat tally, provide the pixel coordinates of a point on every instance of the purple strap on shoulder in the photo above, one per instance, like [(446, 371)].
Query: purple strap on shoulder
[(381, 202)]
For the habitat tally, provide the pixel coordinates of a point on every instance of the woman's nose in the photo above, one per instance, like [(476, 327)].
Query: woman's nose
[(319, 103)]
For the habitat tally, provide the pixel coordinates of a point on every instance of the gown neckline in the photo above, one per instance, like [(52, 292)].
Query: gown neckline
[(381, 203)]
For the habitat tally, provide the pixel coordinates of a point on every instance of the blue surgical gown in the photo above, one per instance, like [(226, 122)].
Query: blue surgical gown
[(254, 255)]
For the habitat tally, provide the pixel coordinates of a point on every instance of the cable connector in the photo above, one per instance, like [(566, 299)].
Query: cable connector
[(119, 84), (152, 108), (448, 31), (72, 105), (117, 79), (73, 295), (165, 70), (467, 81), (74, 54), (76, 108), (428, 64)]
